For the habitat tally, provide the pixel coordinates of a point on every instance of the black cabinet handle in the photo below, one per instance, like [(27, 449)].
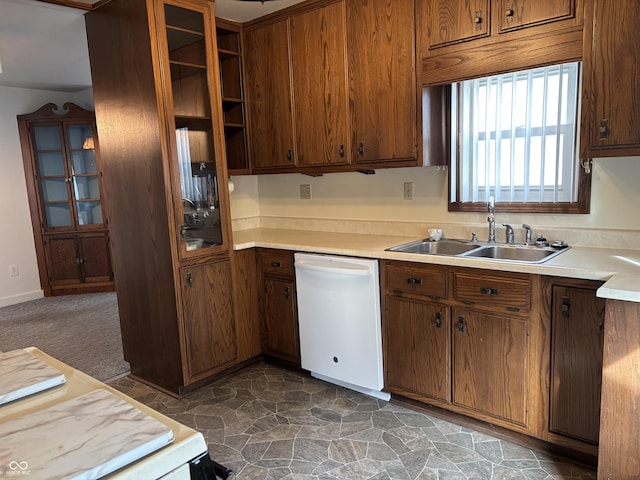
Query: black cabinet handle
[(361, 149), (414, 281), (341, 151), (290, 155), (275, 264), (461, 324), (604, 129), (489, 291), (287, 293), (566, 307), (189, 279), (439, 320)]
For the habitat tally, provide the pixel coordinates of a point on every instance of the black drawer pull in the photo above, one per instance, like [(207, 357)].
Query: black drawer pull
[(275, 264), (438, 319), (414, 281), (489, 291)]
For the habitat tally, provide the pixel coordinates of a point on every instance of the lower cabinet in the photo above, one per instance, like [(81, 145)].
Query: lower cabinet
[(417, 339), (459, 339), (490, 372), (577, 332), (78, 263), (280, 337), (209, 328), (520, 351)]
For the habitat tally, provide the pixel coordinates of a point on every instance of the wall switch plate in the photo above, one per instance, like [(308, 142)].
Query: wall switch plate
[(408, 190), (305, 191), (14, 271)]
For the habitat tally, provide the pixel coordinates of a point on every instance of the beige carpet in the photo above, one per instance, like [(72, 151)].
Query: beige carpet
[(80, 330)]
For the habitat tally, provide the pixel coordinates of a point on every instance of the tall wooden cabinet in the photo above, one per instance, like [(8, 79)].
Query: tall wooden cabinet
[(156, 84), (64, 185)]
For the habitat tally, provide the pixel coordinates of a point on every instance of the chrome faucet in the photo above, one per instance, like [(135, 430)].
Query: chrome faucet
[(491, 207), (510, 236), (527, 238)]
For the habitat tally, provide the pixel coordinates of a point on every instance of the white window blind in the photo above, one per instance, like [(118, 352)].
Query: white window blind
[(517, 136)]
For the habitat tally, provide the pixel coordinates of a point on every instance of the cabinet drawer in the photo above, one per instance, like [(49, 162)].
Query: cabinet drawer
[(418, 280), (277, 262), (513, 294)]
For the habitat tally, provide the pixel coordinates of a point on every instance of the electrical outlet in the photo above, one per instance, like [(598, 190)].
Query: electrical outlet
[(305, 191), (408, 190), (14, 271)]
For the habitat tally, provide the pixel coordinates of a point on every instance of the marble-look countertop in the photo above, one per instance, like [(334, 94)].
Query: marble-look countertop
[(81, 438), (187, 443), (619, 268), (22, 374)]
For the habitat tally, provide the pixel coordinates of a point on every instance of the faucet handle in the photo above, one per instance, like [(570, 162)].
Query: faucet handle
[(510, 234), (527, 234)]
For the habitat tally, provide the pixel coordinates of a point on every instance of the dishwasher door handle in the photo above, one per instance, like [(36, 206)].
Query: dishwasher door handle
[(342, 270)]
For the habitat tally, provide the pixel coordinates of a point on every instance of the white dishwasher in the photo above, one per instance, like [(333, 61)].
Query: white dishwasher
[(339, 321)]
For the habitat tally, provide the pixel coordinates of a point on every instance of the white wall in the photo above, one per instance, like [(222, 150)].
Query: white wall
[(16, 242), (379, 197)]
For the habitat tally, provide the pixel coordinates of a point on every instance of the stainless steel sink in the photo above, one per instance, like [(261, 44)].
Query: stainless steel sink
[(515, 253), (441, 247), (463, 248)]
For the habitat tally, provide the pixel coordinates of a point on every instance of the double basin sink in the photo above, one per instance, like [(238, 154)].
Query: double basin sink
[(489, 251)]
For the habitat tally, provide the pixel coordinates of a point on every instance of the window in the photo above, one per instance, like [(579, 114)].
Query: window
[(517, 140)]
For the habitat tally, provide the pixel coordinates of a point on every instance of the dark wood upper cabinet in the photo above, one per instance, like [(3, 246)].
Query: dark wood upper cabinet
[(318, 48), (463, 39), (64, 183), (514, 14), (611, 104), (382, 80), (269, 93), (453, 21), (332, 89)]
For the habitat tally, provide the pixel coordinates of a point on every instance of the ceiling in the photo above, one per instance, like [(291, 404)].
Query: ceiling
[(43, 45)]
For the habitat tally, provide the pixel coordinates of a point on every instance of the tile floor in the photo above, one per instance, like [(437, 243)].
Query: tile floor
[(268, 423)]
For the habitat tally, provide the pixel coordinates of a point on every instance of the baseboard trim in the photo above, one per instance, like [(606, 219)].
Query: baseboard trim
[(21, 298)]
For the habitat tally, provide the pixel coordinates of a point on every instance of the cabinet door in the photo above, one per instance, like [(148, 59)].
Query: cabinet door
[(417, 347), (280, 327), (63, 260), (208, 325), (192, 90), (514, 14), (610, 92), (576, 363), (452, 21), (269, 94), (96, 258), (382, 60), (318, 53), (490, 364)]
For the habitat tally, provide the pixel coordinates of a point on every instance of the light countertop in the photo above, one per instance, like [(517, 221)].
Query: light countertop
[(619, 268), (101, 400)]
